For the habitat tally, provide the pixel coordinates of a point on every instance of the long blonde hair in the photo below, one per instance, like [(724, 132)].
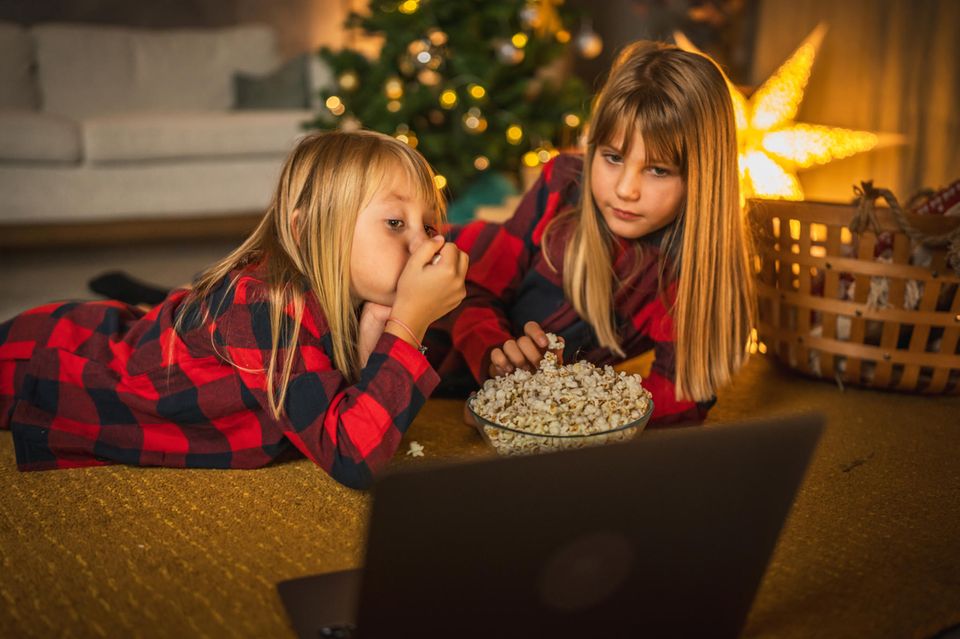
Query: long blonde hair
[(680, 104), (327, 179)]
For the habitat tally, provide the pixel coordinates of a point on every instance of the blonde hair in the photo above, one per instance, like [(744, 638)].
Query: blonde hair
[(327, 179), (678, 101)]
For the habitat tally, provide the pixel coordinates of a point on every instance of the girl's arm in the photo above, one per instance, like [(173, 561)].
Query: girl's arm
[(500, 256), (350, 430)]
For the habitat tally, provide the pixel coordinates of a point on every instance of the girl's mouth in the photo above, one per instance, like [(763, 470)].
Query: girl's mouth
[(624, 215)]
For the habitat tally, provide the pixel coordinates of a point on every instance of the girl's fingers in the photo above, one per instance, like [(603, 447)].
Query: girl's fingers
[(537, 334), (530, 351), (464, 262), (427, 250), (515, 355), (499, 362)]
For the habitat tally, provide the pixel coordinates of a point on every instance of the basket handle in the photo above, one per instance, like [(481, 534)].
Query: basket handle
[(865, 218)]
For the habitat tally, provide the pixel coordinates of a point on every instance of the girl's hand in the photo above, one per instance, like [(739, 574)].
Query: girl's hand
[(524, 352), (431, 285), (373, 316)]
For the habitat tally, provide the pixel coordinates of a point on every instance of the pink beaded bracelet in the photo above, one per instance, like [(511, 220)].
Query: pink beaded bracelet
[(420, 346)]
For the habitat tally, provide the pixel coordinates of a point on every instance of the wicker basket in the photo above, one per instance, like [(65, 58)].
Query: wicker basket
[(818, 313)]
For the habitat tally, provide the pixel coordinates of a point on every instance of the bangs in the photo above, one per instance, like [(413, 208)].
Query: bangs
[(398, 160), (646, 113)]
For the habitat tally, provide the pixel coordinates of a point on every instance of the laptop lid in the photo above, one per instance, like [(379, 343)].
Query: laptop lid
[(666, 536)]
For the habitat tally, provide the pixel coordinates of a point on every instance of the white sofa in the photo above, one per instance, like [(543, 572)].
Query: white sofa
[(107, 123)]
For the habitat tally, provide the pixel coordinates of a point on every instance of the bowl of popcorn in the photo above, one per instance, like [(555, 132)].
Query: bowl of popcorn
[(558, 407)]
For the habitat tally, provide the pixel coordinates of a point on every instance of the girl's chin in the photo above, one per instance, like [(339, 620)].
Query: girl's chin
[(626, 230)]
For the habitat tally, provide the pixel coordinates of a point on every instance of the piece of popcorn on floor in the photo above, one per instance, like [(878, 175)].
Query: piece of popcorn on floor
[(416, 449)]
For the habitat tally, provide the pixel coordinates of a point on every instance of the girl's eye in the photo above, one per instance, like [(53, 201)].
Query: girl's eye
[(659, 171), (612, 158), (395, 225), (431, 230)]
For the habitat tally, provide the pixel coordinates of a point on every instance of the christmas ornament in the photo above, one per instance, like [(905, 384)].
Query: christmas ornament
[(772, 146), (393, 88), (429, 77), (348, 81), (541, 16), (437, 37), (507, 53), (473, 121), (588, 43)]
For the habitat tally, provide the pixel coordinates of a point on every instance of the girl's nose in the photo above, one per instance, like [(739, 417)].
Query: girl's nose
[(628, 186), (418, 237)]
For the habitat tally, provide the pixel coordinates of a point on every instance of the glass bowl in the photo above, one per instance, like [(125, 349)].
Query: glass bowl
[(511, 441)]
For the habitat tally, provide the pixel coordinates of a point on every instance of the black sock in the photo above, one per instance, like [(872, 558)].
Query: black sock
[(119, 286)]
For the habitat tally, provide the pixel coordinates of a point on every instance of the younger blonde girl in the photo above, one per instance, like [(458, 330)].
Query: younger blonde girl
[(306, 338)]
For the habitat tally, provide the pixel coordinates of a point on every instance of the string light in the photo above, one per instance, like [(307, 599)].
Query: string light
[(519, 40), (481, 163), (348, 81), (394, 105), (409, 7), (562, 36), (440, 181), (448, 99), (335, 105), (572, 120), (514, 134), (476, 91), (530, 159), (393, 88)]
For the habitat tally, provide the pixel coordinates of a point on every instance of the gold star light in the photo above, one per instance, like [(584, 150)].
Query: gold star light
[(771, 145)]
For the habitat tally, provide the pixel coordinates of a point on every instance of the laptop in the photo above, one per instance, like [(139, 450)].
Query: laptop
[(664, 536)]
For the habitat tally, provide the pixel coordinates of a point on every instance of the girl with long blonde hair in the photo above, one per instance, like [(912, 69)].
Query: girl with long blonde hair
[(308, 337), (639, 245)]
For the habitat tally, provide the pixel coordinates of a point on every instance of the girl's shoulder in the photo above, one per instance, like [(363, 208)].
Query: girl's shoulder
[(245, 295), (564, 172)]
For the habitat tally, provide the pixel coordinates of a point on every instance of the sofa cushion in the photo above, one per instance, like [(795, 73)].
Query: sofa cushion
[(161, 136), (94, 70), (17, 81), (285, 88), (32, 136)]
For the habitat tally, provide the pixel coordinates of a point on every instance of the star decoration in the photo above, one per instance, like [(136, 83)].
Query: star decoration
[(772, 146)]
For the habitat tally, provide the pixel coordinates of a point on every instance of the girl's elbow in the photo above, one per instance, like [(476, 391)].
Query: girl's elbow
[(356, 475)]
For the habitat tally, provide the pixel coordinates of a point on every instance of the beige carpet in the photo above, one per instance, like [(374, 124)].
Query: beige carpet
[(872, 548)]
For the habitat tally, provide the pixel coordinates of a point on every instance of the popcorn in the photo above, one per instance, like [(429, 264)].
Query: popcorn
[(416, 449), (560, 406)]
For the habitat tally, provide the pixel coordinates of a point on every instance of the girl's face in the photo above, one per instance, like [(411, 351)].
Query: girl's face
[(391, 227), (636, 195)]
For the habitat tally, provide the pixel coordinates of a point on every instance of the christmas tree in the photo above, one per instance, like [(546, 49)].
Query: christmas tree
[(476, 86)]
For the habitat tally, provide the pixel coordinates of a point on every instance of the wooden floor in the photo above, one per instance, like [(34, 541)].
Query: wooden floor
[(26, 237)]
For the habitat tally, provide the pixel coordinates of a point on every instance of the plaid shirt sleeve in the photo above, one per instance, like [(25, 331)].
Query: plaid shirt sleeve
[(500, 256), (350, 430), (654, 321)]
